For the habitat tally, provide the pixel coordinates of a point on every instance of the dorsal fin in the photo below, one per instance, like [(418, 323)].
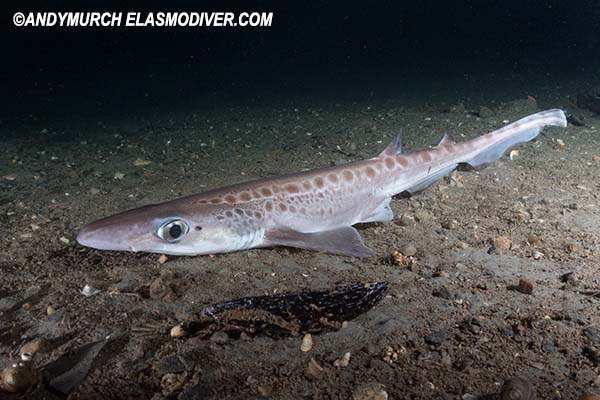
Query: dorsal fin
[(395, 147), (446, 139)]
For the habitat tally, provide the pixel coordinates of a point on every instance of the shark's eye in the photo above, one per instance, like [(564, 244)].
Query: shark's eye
[(172, 231)]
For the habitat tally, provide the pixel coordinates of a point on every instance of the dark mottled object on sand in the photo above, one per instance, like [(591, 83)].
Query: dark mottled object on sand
[(590, 99), (289, 314), (576, 120), (517, 388)]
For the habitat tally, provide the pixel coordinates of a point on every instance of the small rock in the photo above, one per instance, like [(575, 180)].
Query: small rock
[(517, 389), (525, 286), (171, 383), (178, 331), (313, 370), (403, 261), (593, 334), (437, 337), (406, 220), (442, 292), (485, 112), (94, 191), (370, 391), (307, 343), (265, 390), (162, 259), (569, 277), (538, 255), (50, 309), (89, 291), (409, 250), (119, 175), (450, 224), (592, 354), (141, 163), (159, 290), (342, 361), (35, 346), (502, 243), (219, 337), (423, 215)]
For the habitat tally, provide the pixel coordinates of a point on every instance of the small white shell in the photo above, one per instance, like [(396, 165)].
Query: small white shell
[(307, 343), (89, 291)]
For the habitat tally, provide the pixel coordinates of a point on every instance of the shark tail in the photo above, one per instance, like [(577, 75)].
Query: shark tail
[(495, 144)]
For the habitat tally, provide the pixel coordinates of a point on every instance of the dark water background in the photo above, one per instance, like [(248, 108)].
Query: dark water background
[(419, 52)]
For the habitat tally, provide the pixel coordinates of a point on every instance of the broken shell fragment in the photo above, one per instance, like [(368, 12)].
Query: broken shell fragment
[(89, 291), (307, 343), (178, 331), (514, 154), (342, 361), (403, 260), (141, 163)]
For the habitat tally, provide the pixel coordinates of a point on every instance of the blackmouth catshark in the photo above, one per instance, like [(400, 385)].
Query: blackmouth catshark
[(310, 210)]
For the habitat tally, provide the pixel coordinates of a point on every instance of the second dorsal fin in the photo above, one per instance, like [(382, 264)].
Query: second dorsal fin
[(446, 139), (395, 147)]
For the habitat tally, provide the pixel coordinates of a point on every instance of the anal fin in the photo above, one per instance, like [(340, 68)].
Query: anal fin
[(345, 241)]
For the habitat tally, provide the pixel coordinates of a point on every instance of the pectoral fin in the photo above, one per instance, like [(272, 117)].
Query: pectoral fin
[(344, 241)]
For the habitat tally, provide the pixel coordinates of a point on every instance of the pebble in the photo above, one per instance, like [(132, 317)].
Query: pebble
[(307, 343), (219, 337), (178, 331), (409, 250), (534, 240), (525, 286), (34, 346), (437, 337), (342, 361), (313, 370), (159, 290), (265, 390), (538, 255), (502, 243), (423, 215), (450, 224), (370, 391), (485, 112), (406, 220), (593, 334), (89, 291), (404, 261), (119, 175), (50, 309), (517, 389), (141, 163), (442, 292), (569, 277), (162, 259)]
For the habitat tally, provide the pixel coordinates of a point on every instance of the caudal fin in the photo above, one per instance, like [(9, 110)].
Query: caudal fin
[(495, 144)]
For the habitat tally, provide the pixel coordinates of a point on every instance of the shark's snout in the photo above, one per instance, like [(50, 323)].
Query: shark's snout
[(102, 238)]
